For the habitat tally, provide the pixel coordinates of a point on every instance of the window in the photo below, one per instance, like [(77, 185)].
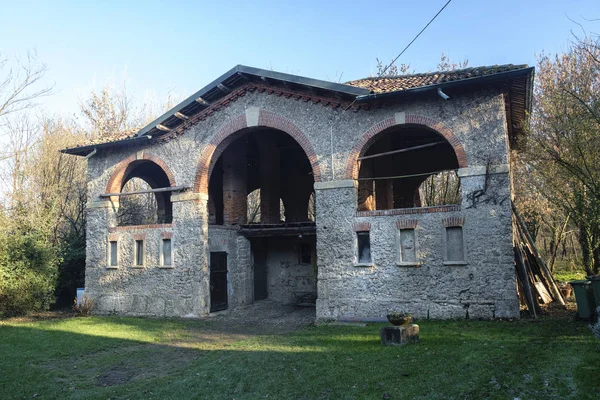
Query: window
[(166, 253), (364, 247), (454, 244), (305, 253), (408, 253), (113, 256), (139, 253)]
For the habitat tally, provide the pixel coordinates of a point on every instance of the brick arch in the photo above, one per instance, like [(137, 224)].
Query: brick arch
[(233, 130), (115, 183), (369, 137)]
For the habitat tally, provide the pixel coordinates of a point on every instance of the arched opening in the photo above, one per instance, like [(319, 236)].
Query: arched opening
[(253, 201), (263, 175), (144, 208), (407, 166), (260, 187)]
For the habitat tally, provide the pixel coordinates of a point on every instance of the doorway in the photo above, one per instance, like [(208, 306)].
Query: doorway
[(218, 281)]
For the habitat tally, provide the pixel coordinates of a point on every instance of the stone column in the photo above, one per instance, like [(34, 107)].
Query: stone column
[(235, 165), (336, 207)]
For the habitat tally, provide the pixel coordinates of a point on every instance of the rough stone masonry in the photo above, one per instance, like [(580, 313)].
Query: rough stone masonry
[(356, 236)]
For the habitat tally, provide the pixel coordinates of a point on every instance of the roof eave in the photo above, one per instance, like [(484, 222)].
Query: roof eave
[(462, 82), (85, 150)]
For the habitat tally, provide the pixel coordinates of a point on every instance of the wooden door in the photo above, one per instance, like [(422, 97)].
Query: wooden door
[(218, 281)]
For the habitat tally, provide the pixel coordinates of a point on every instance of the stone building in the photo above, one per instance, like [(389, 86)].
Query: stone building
[(375, 195)]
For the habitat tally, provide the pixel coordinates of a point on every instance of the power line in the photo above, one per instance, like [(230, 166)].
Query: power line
[(412, 41)]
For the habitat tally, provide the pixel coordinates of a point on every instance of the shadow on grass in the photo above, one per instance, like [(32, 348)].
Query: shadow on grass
[(140, 358)]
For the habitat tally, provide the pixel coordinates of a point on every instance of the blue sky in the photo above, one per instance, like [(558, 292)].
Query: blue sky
[(181, 46)]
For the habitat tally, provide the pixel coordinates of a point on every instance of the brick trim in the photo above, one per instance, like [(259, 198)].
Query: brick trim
[(453, 221), (361, 226), (369, 137), (166, 235), (115, 182), (405, 211), (234, 129), (113, 237), (138, 227), (139, 236), (407, 223)]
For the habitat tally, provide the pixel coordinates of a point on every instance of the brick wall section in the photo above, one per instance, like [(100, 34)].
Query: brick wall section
[(404, 211), (370, 136), (453, 221), (407, 223), (115, 183), (166, 235), (138, 227), (139, 236), (231, 131), (361, 226)]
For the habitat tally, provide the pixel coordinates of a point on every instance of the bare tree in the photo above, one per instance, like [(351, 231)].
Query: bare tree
[(20, 84)]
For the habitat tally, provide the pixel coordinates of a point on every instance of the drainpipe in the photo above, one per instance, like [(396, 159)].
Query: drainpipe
[(442, 94), (92, 154)]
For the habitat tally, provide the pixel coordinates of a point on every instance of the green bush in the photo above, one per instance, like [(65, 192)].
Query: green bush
[(28, 271)]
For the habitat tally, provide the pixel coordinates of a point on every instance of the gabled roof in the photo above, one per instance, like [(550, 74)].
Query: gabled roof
[(518, 80)]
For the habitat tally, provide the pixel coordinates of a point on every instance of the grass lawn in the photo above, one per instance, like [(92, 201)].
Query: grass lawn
[(112, 357)]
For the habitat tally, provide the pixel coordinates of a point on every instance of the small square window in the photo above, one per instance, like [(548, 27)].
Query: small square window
[(166, 252), (113, 256), (305, 253), (455, 250), (408, 253), (364, 247), (139, 253)]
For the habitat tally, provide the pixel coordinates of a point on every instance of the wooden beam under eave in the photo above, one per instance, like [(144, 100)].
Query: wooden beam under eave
[(181, 116), (159, 190), (223, 88), (163, 128), (200, 100)]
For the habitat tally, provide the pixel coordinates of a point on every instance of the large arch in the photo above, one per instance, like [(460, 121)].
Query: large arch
[(369, 137), (234, 129)]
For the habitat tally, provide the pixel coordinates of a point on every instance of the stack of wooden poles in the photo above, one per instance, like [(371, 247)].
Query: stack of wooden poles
[(536, 284)]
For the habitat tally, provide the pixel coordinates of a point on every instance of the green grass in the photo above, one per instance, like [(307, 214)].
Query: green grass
[(133, 358), (566, 271)]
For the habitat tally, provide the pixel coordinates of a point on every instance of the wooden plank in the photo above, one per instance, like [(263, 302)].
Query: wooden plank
[(159, 190), (387, 153), (522, 274), (544, 269), (546, 298)]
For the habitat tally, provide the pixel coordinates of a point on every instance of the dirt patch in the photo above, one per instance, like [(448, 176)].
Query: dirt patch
[(116, 375), (265, 317)]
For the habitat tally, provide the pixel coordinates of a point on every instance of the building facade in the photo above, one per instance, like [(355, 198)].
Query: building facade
[(376, 195)]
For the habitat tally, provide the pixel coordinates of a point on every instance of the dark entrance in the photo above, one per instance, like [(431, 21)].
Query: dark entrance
[(259, 249), (218, 281)]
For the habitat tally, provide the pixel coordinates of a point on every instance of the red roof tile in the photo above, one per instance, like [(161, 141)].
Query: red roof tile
[(405, 82)]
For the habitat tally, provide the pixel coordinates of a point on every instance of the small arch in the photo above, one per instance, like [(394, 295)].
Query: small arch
[(139, 172), (369, 137), (234, 129)]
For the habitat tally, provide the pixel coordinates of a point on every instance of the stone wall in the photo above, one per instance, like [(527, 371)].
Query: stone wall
[(288, 280), (476, 119)]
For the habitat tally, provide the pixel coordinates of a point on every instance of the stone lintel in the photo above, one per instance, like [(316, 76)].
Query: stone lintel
[(101, 204), (339, 184), (252, 114), (400, 118), (482, 170)]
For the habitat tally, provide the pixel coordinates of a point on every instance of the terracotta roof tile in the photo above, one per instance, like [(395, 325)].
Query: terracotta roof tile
[(405, 82)]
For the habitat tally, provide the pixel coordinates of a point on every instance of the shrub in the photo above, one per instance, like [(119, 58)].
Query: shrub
[(85, 307), (28, 269)]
